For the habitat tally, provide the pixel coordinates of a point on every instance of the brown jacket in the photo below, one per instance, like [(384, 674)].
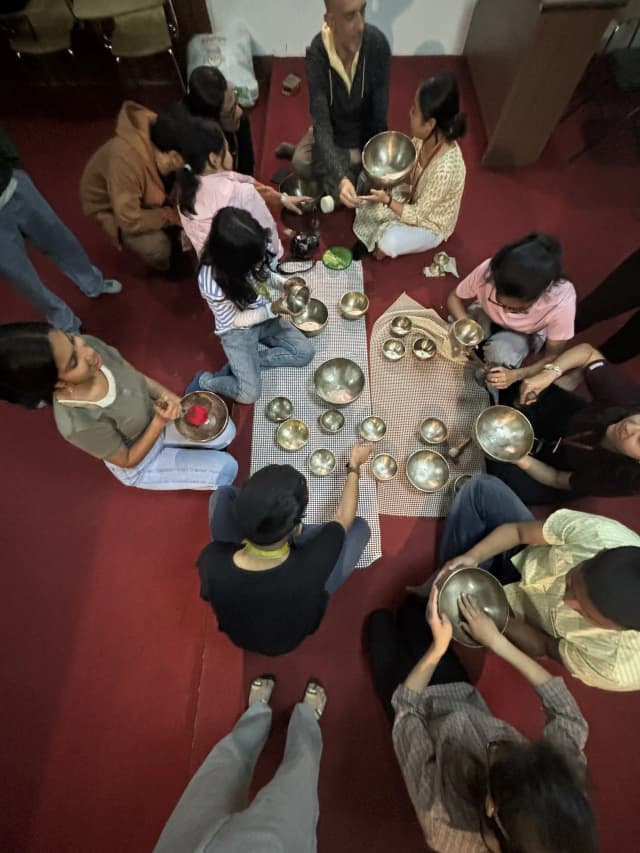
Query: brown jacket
[(121, 187)]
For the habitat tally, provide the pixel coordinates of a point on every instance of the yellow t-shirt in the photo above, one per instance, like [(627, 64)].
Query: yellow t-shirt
[(335, 62), (597, 656)]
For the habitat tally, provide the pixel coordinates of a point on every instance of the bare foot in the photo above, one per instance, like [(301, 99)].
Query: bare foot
[(315, 697), (379, 255), (261, 689)]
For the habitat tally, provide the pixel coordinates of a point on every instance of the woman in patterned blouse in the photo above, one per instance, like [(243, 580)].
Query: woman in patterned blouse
[(429, 213)]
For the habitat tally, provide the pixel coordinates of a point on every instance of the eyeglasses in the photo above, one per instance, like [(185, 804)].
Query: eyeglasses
[(507, 308)]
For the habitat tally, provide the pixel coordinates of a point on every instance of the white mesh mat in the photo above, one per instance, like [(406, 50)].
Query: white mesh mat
[(406, 392), (346, 338)]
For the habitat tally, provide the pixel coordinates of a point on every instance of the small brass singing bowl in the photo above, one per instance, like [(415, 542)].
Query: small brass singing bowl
[(384, 467), (424, 348), (393, 349), (433, 431), (292, 434), (400, 327), (354, 304), (296, 294), (278, 409), (372, 428), (427, 470), (467, 332), (322, 462), (331, 421), (441, 258), (460, 481), (312, 319), (217, 416)]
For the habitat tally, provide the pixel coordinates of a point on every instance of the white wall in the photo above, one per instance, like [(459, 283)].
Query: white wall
[(413, 27)]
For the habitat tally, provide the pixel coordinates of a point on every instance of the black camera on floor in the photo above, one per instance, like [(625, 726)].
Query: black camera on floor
[(302, 245)]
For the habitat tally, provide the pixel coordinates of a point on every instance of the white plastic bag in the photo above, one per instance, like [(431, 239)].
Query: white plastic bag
[(230, 51)]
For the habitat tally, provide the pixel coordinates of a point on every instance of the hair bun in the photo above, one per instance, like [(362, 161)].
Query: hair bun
[(457, 127)]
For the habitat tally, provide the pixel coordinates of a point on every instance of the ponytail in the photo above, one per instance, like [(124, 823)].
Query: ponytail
[(439, 99)]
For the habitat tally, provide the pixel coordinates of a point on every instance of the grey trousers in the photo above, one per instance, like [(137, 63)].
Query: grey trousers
[(224, 528), (212, 814), (27, 215)]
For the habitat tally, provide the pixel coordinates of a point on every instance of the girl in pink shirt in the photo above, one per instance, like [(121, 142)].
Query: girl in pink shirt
[(523, 302)]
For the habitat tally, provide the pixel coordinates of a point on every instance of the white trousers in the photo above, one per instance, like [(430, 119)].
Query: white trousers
[(399, 239)]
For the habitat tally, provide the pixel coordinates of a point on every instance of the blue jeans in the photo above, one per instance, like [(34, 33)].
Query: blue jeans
[(483, 504), (224, 528), (284, 346), (27, 215), (174, 462)]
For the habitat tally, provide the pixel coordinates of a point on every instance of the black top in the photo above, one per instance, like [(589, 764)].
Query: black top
[(9, 160), (272, 611), (344, 119), (240, 145)]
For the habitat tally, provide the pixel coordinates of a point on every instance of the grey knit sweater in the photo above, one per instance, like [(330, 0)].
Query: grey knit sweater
[(342, 119)]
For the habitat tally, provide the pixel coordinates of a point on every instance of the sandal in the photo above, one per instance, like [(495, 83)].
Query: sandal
[(261, 689), (315, 697)]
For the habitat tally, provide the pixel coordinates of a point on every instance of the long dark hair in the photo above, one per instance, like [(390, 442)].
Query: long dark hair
[(237, 250), (538, 792), (28, 372), (439, 99), (200, 138), (525, 268), (207, 88)]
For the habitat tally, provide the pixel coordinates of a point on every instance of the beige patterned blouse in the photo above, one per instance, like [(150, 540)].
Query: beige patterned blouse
[(436, 202)]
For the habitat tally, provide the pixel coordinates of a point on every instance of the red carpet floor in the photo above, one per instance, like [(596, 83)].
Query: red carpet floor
[(115, 681)]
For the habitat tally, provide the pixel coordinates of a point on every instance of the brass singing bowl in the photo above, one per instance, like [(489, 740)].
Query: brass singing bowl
[(279, 409), (460, 481), (393, 349), (488, 595), (503, 433), (296, 294), (354, 304), (372, 428), (292, 434), (427, 470), (313, 319), (322, 462), (384, 467), (388, 158), (400, 326), (467, 332), (217, 420), (424, 348), (297, 186), (433, 431), (331, 421), (338, 381)]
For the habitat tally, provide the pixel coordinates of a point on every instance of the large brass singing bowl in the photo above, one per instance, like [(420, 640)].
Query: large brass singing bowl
[(384, 467), (338, 381), (312, 319), (322, 462), (400, 327), (393, 349), (297, 186), (433, 431), (217, 420), (503, 433), (331, 421), (424, 349), (467, 332), (427, 470), (388, 158), (279, 409), (354, 304), (292, 434), (487, 593), (372, 428)]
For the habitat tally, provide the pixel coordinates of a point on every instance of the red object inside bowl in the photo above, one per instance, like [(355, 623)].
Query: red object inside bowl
[(196, 415)]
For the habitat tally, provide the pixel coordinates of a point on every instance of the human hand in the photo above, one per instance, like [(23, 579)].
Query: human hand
[(476, 623), (453, 564), (359, 454), (170, 397), (279, 306), (293, 202), (377, 197), (441, 627), (167, 410), (524, 463), (532, 386), (501, 377), (348, 194)]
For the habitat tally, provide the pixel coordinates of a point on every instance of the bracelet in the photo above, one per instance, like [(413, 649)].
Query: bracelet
[(351, 469), (283, 197), (554, 367)]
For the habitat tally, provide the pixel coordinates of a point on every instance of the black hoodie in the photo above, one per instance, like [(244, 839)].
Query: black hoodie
[(343, 119)]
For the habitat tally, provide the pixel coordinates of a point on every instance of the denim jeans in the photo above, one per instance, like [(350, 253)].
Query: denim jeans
[(27, 215), (483, 504), (224, 528), (505, 347), (175, 462), (282, 346)]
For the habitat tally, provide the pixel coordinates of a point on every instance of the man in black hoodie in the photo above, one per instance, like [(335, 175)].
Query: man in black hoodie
[(347, 67)]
